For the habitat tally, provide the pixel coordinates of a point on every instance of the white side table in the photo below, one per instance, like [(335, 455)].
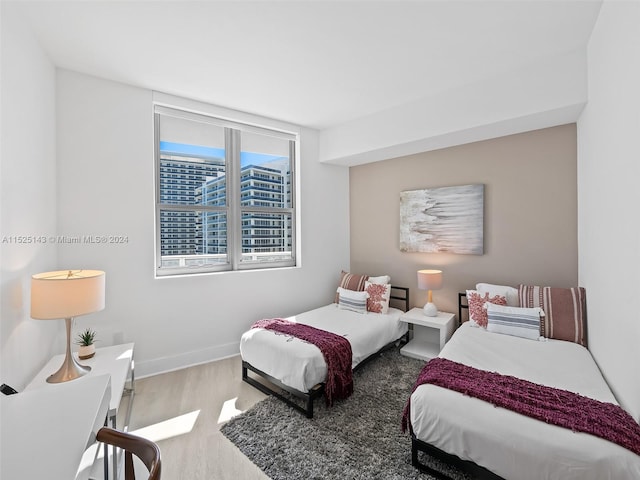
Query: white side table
[(429, 333), (117, 362)]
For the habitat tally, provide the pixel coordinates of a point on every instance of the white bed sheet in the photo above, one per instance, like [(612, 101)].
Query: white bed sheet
[(511, 445), (301, 365)]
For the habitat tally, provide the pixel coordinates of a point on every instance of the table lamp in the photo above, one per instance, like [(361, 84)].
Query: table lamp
[(67, 294), (430, 280)]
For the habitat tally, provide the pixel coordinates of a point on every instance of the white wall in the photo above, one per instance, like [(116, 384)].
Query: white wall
[(608, 198), (28, 192), (556, 92), (106, 181)]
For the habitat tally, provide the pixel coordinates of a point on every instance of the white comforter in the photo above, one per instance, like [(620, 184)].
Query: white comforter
[(301, 365), (509, 444)]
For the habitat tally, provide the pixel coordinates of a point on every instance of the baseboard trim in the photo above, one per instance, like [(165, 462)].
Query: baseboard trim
[(149, 368)]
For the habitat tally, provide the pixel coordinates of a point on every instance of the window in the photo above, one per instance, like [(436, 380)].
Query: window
[(218, 184)]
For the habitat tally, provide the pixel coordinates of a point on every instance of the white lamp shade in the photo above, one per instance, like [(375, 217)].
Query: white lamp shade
[(429, 279), (66, 294)]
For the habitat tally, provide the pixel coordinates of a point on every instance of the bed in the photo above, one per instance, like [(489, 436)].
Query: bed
[(497, 443), (299, 368)]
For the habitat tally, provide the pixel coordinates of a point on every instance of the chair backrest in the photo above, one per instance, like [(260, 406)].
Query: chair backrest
[(144, 449)]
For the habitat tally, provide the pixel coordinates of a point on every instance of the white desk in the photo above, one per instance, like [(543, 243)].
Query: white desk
[(116, 361), (45, 432)]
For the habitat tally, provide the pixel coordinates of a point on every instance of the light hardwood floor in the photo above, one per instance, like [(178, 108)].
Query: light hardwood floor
[(183, 412)]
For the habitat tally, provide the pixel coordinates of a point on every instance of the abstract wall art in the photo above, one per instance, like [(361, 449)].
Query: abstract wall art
[(443, 219)]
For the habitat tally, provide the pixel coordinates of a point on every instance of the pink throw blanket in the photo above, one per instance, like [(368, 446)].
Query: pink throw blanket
[(335, 349), (551, 405)]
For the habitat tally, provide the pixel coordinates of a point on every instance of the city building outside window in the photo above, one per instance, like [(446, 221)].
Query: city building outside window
[(218, 185)]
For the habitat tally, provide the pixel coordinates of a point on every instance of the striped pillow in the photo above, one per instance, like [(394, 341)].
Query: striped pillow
[(565, 309), (517, 321), (350, 300), (350, 281)]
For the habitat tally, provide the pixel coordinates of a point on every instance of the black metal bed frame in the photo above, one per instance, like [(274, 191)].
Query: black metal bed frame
[(461, 306), (467, 466), (317, 391)]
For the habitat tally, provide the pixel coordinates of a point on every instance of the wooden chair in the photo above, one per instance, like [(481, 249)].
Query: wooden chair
[(144, 449)]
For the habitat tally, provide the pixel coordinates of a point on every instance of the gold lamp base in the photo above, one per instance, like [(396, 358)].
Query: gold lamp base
[(70, 369)]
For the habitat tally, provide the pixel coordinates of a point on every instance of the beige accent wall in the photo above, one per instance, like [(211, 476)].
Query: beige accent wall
[(530, 213)]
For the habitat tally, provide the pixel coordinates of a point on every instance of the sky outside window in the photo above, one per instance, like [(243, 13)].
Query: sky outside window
[(246, 158)]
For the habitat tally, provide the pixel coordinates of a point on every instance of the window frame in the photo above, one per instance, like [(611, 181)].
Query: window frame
[(233, 208)]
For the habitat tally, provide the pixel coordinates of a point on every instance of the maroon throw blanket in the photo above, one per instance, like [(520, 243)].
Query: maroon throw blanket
[(551, 405), (335, 349)]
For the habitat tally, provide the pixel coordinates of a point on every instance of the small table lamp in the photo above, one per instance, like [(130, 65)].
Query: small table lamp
[(67, 294), (430, 280)]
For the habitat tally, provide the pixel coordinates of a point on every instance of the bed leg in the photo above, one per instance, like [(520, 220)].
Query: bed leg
[(309, 411), (414, 454), (244, 372)]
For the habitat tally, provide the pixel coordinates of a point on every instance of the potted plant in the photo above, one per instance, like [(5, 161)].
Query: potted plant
[(86, 340)]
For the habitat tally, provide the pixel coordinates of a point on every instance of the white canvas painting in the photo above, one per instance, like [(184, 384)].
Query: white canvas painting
[(444, 219)]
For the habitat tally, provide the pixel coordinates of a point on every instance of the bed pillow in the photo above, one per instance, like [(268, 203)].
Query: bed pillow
[(352, 300), (565, 311), (477, 311), (383, 279), (351, 281), (379, 294), (510, 293), (516, 321)]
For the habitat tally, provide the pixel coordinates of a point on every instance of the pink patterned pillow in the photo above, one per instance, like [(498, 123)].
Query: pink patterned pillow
[(378, 301), (476, 301)]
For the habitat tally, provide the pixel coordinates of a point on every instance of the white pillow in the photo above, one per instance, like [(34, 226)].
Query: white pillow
[(352, 300), (510, 293), (520, 322), (381, 280)]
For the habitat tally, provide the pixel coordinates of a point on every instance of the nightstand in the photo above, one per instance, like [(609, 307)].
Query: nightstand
[(429, 333)]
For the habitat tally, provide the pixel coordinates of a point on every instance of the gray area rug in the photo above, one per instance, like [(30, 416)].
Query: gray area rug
[(358, 438)]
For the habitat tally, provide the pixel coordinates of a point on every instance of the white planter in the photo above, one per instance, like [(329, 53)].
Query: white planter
[(86, 351)]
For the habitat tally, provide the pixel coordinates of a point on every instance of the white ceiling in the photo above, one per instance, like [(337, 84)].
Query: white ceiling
[(313, 63)]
